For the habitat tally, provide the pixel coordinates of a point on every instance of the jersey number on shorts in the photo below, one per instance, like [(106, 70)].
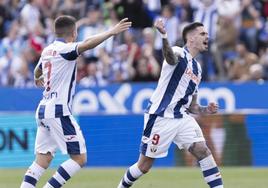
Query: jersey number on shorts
[(48, 65), (156, 138)]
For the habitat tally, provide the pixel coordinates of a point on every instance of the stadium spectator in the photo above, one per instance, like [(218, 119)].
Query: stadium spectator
[(120, 68), (92, 24), (74, 8), (13, 40), (238, 68), (147, 68), (206, 12), (183, 10), (93, 76), (250, 24), (5, 63), (5, 18), (30, 16), (264, 63), (256, 73), (34, 20), (152, 8), (224, 45)]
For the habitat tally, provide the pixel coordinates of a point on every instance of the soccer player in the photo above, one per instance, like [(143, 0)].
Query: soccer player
[(167, 118), (57, 128)]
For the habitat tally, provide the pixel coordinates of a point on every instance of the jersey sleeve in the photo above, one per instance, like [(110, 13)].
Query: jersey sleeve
[(70, 51), (178, 51)]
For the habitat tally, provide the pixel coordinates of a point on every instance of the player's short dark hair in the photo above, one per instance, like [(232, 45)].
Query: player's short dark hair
[(189, 28), (64, 25)]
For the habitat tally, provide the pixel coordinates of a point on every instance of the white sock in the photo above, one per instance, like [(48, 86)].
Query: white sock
[(131, 175), (32, 176), (211, 172), (63, 174)]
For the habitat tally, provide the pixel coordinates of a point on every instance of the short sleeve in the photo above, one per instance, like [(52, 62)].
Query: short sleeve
[(70, 51), (178, 51)]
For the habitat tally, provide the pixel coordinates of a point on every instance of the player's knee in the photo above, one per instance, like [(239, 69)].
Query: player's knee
[(199, 150), (44, 159), (144, 169), (145, 163), (80, 159)]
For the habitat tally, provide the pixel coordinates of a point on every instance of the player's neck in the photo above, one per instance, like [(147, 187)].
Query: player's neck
[(65, 39), (192, 50), (69, 39)]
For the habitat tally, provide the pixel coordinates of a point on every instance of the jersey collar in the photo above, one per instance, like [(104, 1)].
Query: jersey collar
[(60, 40), (188, 55)]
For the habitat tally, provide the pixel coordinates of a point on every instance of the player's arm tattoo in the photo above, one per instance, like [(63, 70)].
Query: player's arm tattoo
[(203, 110), (195, 108), (168, 53)]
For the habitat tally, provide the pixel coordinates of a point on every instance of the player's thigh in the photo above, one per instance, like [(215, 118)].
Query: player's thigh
[(188, 132), (157, 136), (68, 135), (44, 143)]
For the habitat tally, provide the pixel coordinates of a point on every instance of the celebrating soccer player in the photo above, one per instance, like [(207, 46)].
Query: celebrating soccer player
[(167, 116), (56, 72)]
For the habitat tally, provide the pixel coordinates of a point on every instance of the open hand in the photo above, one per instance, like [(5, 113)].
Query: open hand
[(123, 25), (39, 82), (212, 108)]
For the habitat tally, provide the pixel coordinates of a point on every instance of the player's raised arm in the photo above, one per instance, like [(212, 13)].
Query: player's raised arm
[(95, 40), (195, 108), (166, 49)]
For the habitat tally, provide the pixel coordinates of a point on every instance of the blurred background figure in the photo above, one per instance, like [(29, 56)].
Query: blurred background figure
[(120, 68), (229, 22), (206, 12), (239, 67), (250, 24), (93, 75)]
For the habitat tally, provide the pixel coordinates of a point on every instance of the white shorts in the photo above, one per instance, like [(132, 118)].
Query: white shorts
[(160, 132), (59, 133)]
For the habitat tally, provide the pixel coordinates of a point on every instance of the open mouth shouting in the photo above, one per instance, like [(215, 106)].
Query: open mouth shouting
[(205, 44)]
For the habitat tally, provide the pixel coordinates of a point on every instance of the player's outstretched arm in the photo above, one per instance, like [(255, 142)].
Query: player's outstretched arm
[(195, 108), (166, 49), (95, 40)]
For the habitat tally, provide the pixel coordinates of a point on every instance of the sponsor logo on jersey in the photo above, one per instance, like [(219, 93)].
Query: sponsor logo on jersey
[(69, 138), (192, 76), (153, 149)]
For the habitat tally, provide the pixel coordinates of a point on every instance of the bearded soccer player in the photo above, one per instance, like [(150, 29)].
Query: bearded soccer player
[(167, 118)]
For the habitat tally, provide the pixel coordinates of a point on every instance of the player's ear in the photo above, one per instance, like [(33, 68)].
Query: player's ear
[(191, 38), (74, 34)]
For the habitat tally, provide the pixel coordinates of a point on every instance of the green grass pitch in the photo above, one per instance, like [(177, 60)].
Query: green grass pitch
[(157, 178)]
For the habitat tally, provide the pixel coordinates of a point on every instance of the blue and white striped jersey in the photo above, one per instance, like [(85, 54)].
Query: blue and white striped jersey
[(176, 86), (58, 65)]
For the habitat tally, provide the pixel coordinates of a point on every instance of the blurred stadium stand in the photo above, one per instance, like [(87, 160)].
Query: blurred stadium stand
[(237, 29)]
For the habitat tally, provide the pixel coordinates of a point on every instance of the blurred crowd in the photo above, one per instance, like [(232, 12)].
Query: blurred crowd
[(238, 32)]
